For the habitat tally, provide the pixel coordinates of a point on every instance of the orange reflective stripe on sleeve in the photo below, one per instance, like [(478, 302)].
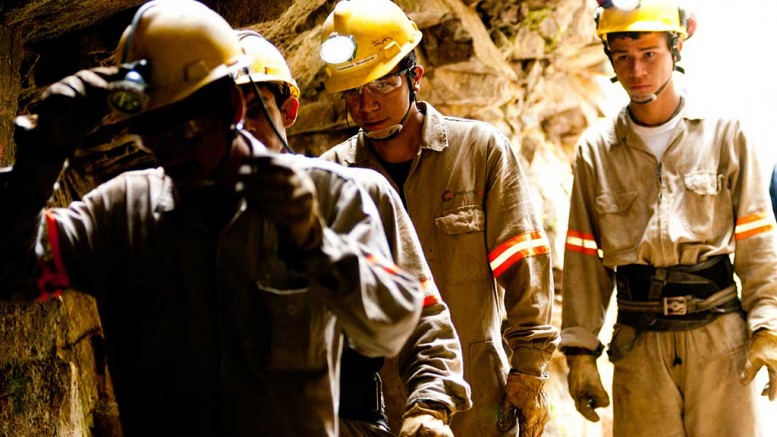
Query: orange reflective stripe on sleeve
[(581, 243), (516, 249), (53, 278), (383, 263), (431, 294), (752, 224)]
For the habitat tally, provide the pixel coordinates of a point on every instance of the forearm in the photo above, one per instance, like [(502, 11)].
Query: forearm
[(430, 363), (377, 304), (25, 189), (529, 304)]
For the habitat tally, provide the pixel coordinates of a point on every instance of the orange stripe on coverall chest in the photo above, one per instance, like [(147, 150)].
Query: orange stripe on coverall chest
[(752, 224), (53, 278), (516, 249), (582, 243)]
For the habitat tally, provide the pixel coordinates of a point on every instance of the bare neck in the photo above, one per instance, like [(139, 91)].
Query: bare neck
[(405, 146), (658, 112)]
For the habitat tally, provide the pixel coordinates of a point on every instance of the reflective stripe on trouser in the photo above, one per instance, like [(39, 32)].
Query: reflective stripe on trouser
[(358, 428), (685, 383)]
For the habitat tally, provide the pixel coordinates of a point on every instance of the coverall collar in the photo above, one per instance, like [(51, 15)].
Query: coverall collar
[(434, 137), (624, 135)]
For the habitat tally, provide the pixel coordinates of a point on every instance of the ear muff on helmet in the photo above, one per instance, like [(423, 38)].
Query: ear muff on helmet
[(171, 49)]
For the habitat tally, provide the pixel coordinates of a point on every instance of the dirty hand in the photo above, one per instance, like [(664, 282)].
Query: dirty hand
[(585, 386), (424, 420), (525, 401), (284, 195), (68, 111), (763, 352)]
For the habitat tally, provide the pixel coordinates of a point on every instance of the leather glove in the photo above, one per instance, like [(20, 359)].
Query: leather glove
[(585, 386), (67, 112), (763, 352), (285, 196), (425, 420), (525, 401)]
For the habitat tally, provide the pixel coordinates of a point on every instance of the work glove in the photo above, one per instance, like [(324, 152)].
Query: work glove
[(585, 386), (763, 352), (424, 420), (285, 196), (524, 401), (67, 112)]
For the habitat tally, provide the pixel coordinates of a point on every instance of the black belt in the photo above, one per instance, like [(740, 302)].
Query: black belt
[(641, 282), (678, 297)]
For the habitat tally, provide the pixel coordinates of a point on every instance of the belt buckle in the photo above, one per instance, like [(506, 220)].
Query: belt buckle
[(675, 306)]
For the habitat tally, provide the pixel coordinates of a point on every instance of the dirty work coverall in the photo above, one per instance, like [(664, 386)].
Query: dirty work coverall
[(705, 197), (471, 207), (214, 333), (430, 363)]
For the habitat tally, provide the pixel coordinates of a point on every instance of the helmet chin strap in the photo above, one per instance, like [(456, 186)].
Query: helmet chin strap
[(644, 99), (391, 132)]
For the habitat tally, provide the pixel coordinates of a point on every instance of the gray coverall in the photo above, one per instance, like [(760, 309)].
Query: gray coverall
[(214, 333), (470, 204), (705, 197)]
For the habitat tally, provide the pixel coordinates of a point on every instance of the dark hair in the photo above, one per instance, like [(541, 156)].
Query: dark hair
[(408, 62), (672, 42)]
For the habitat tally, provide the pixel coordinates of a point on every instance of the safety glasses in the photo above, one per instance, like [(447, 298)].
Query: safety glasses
[(382, 86)]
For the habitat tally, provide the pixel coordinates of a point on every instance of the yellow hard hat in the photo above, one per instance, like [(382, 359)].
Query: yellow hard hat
[(185, 46), (363, 40), (267, 63), (647, 16)]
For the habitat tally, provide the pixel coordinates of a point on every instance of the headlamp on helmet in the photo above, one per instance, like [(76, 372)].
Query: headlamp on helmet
[(338, 49), (364, 40), (616, 16), (170, 50)]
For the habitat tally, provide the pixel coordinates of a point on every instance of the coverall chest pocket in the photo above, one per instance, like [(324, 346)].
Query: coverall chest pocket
[(705, 205), (462, 244), (619, 216), (296, 329)]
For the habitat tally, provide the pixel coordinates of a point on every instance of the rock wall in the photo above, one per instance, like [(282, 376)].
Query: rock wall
[(528, 67)]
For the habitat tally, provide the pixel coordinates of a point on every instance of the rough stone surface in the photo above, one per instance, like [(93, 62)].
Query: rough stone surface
[(53, 374), (525, 66), (10, 58)]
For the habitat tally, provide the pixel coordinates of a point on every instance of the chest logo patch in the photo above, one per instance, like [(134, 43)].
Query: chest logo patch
[(449, 195)]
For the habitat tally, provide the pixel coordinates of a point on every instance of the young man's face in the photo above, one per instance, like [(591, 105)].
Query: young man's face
[(379, 104), (256, 121), (642, 65)]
